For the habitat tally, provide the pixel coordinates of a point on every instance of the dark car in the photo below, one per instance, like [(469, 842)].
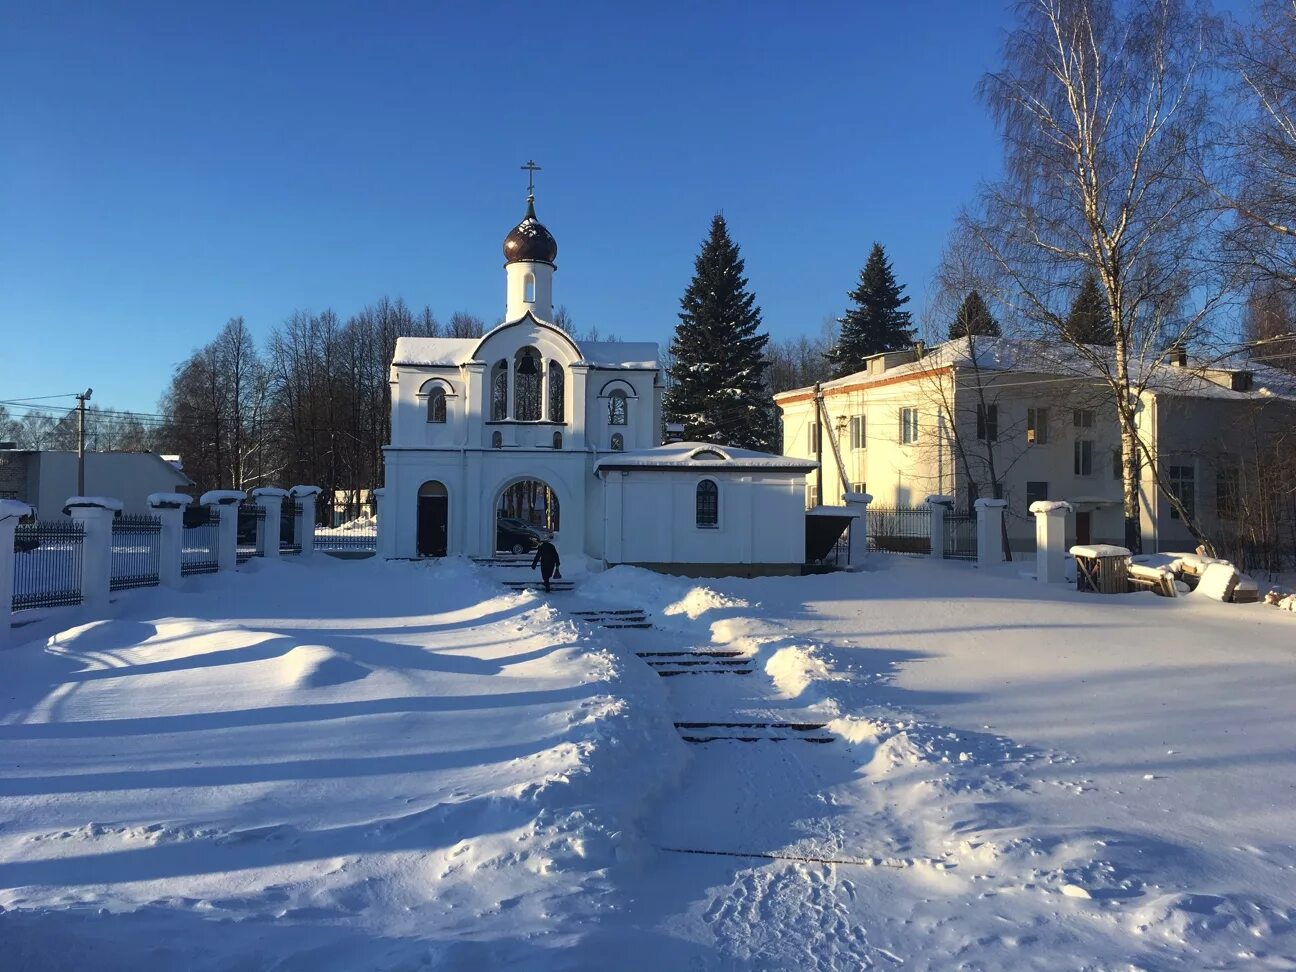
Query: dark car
[(516, 535)]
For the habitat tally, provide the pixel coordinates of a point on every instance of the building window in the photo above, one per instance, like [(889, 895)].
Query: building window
[(1082, 418), (988, 423), (557, 440), (860, 487), (499, 391), (812, 497), (1036, 492), (557, 392), (1037, 426), (814, 438), (1083, 457), (909, 425), (1183, 484), (1228, 492), (528, 288), (708, 505), (618, 442), (497, 440), (618, 413), (436, 407), (857, 439), (526, 385)]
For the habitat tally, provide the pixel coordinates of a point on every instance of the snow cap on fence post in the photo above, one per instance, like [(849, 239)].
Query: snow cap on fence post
[(270, 499), (858, 527), (95, 514), (939, 506), (169, 509), (11, 511), (384, 528), (989, 514), (305, 526), (226, 502), (1050, 540)]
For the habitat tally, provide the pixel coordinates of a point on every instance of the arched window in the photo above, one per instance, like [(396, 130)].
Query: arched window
[(557, 440), (618, 442), (499, 391), (617, 412), (436, 409), (708, 505), (497, 440), (526, 385), (707, 454), (528, 288), (557, 392)]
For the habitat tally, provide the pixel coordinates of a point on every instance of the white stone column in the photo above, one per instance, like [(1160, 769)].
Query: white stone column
[(1050, 541), (169, 509), (989, 514), (304, 525), (856, 502), (576, 414), (386, 533), (270, 499), (612, 515), (11, 511), (226, 503), (939, 506), (95, 514)]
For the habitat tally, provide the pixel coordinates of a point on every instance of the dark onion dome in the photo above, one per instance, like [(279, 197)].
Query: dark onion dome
[(529, 240)]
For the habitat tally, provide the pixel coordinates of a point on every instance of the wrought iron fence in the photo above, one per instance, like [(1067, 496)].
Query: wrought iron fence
[(347, 538), (250, 535), (898, 529), (289, 541), (136, 552), (47, 564), (198, 553), (960, 536)]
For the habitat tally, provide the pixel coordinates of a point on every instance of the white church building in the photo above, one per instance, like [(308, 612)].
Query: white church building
[(525, 431)]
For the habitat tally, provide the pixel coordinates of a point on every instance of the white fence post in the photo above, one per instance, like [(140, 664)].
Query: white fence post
[(989, 514), (939, 506), (1050, 541), (11, 511), (95, 514), (169, 509), (270, 499), (225, 502), (859, 526), (305, 524), (385, 532)]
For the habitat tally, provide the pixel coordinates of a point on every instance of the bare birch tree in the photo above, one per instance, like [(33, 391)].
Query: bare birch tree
[(1104, 117)]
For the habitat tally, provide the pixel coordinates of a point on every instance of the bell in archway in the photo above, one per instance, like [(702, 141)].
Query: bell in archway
[(527, 366)]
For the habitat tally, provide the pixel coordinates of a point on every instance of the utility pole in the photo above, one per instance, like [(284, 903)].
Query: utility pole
[(81, 411)]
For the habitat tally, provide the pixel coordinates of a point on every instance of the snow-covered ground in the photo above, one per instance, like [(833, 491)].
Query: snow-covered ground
[(341, 765)]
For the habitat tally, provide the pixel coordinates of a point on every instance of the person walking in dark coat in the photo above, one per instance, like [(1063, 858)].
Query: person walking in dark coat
[(546, 556)]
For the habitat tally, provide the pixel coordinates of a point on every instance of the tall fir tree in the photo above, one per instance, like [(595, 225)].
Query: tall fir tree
[(1088, 321), (717, 374), (973, 317), (876, 323)]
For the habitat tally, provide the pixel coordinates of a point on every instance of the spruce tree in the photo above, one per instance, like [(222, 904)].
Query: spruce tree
[(876, 323), (973, 317), (1088, 321), (717, 374)]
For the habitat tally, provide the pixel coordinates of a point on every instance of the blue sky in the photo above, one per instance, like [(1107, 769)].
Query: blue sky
[(168, 166)]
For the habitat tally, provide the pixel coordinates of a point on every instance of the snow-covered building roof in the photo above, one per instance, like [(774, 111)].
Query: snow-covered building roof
[(700, 456), (1235, 378), (438, 352)]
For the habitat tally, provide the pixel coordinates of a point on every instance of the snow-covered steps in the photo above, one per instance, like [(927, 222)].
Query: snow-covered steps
[(689, 654), (535, 585), (747, 732), (709, 670), (615, 617)]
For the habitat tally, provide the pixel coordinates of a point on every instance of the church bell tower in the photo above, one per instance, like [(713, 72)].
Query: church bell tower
[(529, 254)]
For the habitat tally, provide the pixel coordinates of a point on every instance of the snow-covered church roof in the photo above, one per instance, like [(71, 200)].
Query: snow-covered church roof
[(701, 456)]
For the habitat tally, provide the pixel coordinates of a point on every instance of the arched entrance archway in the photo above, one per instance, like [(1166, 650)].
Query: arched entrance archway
[(525, 513), (433, 517)]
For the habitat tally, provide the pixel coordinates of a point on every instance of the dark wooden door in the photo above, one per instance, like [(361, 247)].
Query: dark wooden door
[(432, 526), (1083, 536)]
